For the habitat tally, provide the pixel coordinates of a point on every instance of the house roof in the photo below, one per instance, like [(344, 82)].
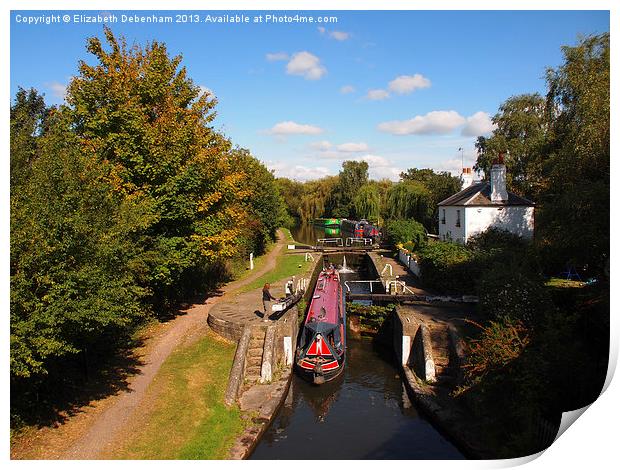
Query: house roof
[(479, 194)]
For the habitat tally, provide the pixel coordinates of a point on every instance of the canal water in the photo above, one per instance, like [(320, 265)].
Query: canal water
[(364, 414)]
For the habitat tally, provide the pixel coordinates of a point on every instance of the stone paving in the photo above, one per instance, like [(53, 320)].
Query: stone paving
[(229, 316)]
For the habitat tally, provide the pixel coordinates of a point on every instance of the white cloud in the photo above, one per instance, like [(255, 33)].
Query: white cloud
[(347, 89), (321, 145), (380, 167), (405, 84), (291, 128), (374, 161), (59, 90), (337, 35), (340, 35), (275, 56), (478, 124), (353, 147), (299, 172), (307, 65), (385, 172), (377, 95), (435, 122)]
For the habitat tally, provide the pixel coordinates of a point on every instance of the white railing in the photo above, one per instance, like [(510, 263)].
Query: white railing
[(392, 287), (328, 241), (351, 241)]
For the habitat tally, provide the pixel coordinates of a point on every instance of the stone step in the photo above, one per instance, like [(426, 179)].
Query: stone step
[(252, 373), (256, 343), (254, 361), (255, 352)]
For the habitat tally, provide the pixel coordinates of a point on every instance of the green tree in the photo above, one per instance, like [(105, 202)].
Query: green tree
[(27, 118), (367, 202), (316, 198), (73, 259), (521, 135), (439, 186), (574, 220), (260, 195), (351, 178), (409, 200), (292, 193)]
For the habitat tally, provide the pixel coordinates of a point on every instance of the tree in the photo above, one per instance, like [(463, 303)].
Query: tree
[(439, 186), (73, 259), (574, 220), (291, 192), (521, 133), (259, 193), (351, 178), (315, 200), (27, 118), (137, 110), (367, 202), (409, 200)]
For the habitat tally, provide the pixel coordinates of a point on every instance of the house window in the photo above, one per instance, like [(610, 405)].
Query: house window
[(443, 216), (458, 218)]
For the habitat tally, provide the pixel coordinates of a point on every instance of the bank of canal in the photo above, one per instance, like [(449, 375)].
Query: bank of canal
[(366, 414)]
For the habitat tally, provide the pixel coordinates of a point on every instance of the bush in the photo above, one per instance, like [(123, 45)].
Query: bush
[(512, 292), (406, 231), (448, 267)]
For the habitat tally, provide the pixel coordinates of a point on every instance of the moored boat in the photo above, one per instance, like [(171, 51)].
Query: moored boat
[(321, 351)]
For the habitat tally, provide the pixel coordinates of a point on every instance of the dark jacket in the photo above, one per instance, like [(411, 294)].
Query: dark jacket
[(267, 295)]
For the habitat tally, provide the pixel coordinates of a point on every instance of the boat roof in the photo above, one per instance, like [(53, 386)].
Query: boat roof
[(324, 307)]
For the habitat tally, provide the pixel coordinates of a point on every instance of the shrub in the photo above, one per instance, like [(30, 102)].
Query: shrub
[(511, 291), (447, 267), (406, 231)]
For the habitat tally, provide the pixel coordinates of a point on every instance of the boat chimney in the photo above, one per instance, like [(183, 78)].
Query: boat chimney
[(498, 180)]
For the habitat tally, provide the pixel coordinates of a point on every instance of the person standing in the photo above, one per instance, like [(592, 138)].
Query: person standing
[(267, 298)]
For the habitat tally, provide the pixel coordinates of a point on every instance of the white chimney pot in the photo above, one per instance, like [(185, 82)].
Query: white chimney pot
[(498, 183)]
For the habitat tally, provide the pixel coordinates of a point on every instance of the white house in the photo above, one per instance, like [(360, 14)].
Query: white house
[(482, 205)]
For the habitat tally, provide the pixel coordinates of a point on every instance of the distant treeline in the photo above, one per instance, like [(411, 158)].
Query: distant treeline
[(351, 194), (123, 201)]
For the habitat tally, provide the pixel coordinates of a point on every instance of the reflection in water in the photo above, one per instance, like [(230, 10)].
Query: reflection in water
[(361, 416), (309, 234)]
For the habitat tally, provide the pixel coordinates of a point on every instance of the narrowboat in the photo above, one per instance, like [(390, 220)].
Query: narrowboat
[(361, 229), (320, 355)]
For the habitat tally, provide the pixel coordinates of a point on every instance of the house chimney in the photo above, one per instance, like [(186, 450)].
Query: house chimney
[(498, 180), (467, 178)]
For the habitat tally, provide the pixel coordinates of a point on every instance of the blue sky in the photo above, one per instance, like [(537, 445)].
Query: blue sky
[(396, 89)]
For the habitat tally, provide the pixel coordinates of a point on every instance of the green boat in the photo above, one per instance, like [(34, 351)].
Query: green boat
[(332, 231), (326, 222)]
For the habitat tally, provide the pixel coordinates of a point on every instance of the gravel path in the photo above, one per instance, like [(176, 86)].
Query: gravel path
[(99, 436)]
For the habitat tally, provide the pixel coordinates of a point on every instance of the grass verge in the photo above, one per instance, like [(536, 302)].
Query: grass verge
[(187, 419), (286, 266)]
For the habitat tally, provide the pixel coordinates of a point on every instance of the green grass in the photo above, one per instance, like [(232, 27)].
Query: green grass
[(286, 266), (188, 419), (557, 282)]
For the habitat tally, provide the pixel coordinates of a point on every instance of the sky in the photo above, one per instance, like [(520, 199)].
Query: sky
[(397, 89)]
